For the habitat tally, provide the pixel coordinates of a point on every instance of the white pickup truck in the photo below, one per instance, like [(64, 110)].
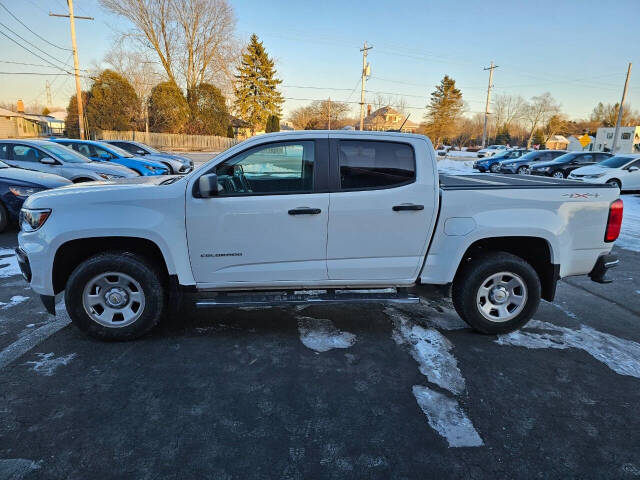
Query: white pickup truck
[(315, 217)]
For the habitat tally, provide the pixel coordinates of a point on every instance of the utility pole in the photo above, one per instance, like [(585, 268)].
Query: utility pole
[(619, 121), (486, 108), (366, 70), (48, 89), (76, 67)]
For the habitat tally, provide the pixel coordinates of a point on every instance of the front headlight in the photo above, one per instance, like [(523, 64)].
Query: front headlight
[(108, 176), (153, 169), (595, 175), (24, 192), (32, 219)]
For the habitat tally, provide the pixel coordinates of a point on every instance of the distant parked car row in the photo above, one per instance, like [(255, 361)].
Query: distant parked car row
[(594, 167), (30, 166)]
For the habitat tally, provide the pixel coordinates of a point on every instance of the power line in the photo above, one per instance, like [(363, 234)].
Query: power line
[(33, 45), (34, 73), (33, 53), (34, 64), (36, 34)]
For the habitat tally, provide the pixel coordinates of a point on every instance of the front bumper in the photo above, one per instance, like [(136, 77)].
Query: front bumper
[(604, 263), (23, 263)]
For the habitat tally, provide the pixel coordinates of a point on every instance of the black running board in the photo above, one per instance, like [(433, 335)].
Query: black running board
[(305, 297)]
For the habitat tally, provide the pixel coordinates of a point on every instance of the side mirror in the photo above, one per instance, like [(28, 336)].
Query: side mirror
[(48, 161), (633, 169), (208, 185)]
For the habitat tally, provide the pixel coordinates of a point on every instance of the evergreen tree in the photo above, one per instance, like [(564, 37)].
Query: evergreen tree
[(503, 137), (273, 124), (112, 103), (208, 111), (444, 110), (230, 133), (72, 128), (538, 139), (255, 89), (168, 109), (46, 111)]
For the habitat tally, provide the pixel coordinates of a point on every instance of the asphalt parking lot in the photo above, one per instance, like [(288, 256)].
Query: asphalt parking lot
[(326, 392)]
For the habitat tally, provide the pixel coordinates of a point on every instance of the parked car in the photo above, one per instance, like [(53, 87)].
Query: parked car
[(492, 164), (17, 184), (563, 165), (175, 163), (259, 218), (102, 152), (621, 170), (48, 157), (523, 164), (491, 150)]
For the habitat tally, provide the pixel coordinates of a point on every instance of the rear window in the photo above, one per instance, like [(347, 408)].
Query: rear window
[(369, 165)]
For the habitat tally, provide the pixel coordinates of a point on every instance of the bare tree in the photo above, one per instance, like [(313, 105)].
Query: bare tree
[(316, 115), (508, 109), (193, 39), (538, 112)]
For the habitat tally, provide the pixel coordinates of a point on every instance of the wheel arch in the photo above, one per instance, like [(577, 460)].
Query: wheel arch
[(536, 251), (70, 254)]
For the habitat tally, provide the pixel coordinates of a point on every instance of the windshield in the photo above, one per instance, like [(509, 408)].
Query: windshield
[(615, 162), (3, 165), (117, 150), (64, 153), (150, 149)]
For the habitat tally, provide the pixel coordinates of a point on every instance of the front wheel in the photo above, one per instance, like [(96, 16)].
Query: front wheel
[(495, 168), (557, 174), (497, 293), (115, 296), (523, 170)]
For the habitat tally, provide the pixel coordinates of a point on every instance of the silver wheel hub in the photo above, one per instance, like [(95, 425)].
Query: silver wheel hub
[(113, 299), (501, 297)]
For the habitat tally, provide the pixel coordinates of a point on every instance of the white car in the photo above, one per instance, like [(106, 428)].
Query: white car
[(621, 170), (491, 150), (313, 217)]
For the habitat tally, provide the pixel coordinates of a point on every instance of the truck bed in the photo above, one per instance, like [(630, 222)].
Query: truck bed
[(489, 181)]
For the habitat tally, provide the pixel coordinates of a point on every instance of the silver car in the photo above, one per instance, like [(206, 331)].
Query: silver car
[(48, 157)]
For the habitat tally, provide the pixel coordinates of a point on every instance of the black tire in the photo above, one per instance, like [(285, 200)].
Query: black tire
[(616, 182), (495, 168), (473, 275), (4, 218), (137, 267), (555, 174), (523, 170)]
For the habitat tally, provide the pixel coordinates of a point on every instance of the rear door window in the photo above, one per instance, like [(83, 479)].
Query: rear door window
[(4, 151), (365, 165), (23, 153)]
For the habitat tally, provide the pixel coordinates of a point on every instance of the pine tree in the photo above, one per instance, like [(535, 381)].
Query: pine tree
[(503, 137), (255, 89), (444, 110), (273, 124)]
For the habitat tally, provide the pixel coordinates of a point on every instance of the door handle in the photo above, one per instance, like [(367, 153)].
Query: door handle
[(399, 208), (304, 211)]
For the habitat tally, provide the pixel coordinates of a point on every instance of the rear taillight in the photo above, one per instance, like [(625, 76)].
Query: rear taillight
[(614, 222)]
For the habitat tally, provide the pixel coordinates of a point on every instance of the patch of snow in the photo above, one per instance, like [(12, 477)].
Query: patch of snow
[(48, 363), (8, 263), (15, 300), (620, 355), (630, 233), (436, 316), (447, 418), (564, 310), (321, 335), (16, 468), (462, 154), (432, 351), (456, 167)]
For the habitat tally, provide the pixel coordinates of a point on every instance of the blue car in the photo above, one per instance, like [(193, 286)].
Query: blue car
[(103, 152), (492, 164), (17, 184)]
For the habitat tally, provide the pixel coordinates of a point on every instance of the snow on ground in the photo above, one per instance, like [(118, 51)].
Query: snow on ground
[(462, 154), (630, 233), (15, 300), (456, 167), (48, 363), (321, 335), (8, 263), (447, 418), (620, 355)]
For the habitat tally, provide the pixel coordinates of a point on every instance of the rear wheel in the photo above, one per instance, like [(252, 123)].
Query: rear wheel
[(616, 182), (498, 293), (4, 217), (115, 296), (558, 174), (523, 170)]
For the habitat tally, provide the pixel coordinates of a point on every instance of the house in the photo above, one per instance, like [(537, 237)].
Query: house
[(385, 119), (557, 142), (576, 146), (18, 124), (628, 140)]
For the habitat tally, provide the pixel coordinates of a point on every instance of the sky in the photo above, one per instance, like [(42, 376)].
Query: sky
[(576, 50)]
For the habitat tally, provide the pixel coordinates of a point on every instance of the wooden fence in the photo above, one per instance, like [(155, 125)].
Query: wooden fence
[(173, 141)]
